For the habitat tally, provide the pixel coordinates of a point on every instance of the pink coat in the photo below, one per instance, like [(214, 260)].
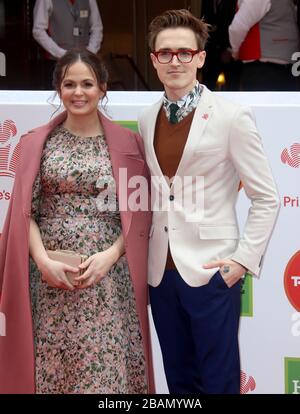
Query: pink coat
[(16, 348)]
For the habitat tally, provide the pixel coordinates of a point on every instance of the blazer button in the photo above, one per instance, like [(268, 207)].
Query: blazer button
[(171, 198), (166, 229), (142, 234)]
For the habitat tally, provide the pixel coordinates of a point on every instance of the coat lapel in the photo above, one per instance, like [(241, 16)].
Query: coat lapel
[(34, 145), (127, 162)]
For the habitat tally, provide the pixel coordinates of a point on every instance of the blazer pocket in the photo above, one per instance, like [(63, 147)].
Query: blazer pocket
[(218, 232)]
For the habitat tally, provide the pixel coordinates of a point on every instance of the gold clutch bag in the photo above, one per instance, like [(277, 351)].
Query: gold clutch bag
[(70, 258)]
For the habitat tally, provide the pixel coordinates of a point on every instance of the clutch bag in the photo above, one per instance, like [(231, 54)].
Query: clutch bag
[(70, 258)]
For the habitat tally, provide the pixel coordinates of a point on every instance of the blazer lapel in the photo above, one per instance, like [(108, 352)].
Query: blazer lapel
[(202, 117), (149, 144)]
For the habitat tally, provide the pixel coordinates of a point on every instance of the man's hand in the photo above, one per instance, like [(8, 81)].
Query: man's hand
[(231, 271)]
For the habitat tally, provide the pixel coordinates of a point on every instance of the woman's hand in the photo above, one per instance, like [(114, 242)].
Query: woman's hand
[(97, 266), (54, 273)]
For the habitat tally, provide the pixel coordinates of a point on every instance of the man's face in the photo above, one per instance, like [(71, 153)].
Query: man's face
[(178, 78)]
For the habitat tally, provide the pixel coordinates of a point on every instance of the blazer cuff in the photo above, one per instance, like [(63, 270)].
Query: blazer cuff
[(253, 266)]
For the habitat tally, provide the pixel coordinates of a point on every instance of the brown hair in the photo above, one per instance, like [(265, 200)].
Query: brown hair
[(83, 55), (178, 18)]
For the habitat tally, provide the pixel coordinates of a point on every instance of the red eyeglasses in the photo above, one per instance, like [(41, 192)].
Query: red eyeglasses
[(184, 56)]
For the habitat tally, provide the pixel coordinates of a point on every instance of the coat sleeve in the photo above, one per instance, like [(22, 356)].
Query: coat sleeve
[(8, 219), (13, 212)]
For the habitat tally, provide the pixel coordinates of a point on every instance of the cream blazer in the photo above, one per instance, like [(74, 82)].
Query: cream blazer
[(223, 148)]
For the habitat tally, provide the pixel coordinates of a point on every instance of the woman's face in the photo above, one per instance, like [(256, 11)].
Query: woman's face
[(79, 91)]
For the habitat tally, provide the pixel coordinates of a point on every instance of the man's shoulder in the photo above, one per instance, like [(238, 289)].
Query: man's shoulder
[(220, 99), (148, 111), (223, 104)]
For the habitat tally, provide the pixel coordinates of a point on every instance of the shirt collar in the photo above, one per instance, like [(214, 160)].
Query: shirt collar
[(186, 100), (186, 104)]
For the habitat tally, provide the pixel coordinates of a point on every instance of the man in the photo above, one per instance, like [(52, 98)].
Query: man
[(60, 25), (198, 147), (264, 35)]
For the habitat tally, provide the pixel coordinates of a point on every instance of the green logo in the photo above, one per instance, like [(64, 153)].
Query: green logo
[(247, 296), (292, 375)]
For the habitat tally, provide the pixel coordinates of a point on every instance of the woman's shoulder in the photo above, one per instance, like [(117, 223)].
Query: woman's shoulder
[(30, 137), (42, 131), (48, 126)]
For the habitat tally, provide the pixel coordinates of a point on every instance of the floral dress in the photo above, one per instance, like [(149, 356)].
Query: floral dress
[(86, 341)]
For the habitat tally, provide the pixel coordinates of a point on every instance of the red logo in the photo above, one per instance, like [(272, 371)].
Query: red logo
[(292, 281), (205, 116), (247, 383), (292, 157), (9, 148)]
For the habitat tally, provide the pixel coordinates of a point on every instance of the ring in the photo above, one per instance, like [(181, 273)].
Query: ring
[(226, 269)]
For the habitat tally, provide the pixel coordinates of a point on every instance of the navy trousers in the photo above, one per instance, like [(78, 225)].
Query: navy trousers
[(197, 328)]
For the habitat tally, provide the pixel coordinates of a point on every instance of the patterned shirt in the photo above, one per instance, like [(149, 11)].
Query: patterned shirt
[(186, 104)]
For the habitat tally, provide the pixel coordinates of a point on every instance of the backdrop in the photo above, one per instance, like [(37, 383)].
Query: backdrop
[(270, 322)]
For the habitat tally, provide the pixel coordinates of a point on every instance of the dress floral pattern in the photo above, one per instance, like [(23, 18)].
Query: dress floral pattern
[(86, 341)]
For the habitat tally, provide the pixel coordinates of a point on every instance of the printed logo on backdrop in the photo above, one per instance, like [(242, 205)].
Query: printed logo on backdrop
[(291, 156), (9, 155), (292, 281), (248, 383), (292, 375), (9, 148), (247, 296), (291, 202)]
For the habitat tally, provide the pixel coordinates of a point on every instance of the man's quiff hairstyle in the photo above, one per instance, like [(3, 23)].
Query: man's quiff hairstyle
[(178, 18)]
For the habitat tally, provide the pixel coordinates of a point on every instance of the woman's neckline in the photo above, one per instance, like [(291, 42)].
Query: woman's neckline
[(100, 133)]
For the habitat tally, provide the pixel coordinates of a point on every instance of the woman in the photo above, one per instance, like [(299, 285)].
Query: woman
[(91, 336)]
